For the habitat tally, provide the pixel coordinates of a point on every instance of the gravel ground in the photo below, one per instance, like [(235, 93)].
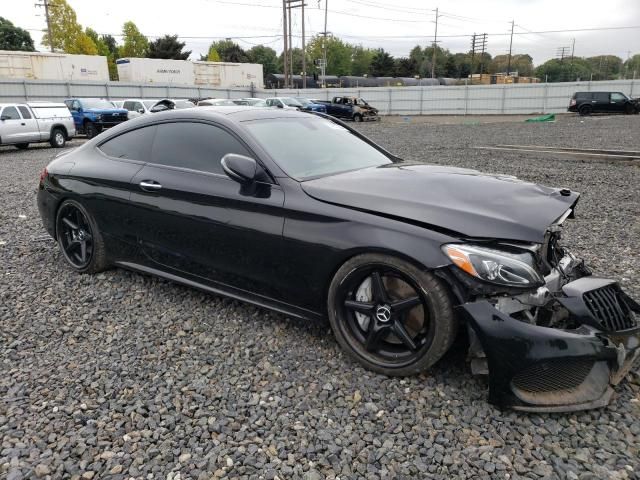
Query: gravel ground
[(124, 376)]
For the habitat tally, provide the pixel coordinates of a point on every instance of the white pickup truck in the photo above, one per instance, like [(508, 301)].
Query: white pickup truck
[(35, 122)]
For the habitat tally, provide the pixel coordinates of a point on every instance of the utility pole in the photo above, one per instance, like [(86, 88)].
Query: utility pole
[(435, 44), (45, 4), (284, 39), (510, 47), (304, 53), (323, 67), (473, 54), (290, 47)]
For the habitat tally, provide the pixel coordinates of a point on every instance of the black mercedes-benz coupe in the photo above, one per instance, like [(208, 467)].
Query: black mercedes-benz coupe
[(301, 214)]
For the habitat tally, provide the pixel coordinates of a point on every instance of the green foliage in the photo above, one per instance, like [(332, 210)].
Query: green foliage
[(229, 51), (135, 44), (382, 64), (211, 56), (168, 47), (339, 55), (266, 56), (14, 38), (361, 59), (523, 64), (297, 61), (66, 33), (567, 70), (605, 67), (106, 46), (632, 67)]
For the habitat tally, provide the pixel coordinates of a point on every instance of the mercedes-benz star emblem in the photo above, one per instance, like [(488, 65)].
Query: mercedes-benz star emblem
[(383, 313)]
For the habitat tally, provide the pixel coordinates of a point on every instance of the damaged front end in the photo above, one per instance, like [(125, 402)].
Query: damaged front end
[(559, 344)]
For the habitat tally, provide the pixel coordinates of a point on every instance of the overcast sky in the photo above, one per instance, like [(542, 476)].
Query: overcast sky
[(396, 26)]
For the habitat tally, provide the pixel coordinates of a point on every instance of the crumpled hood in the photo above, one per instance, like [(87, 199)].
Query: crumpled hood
[(466, 202)]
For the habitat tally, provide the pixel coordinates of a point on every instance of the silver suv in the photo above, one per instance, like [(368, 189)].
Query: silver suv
[(35, 122)]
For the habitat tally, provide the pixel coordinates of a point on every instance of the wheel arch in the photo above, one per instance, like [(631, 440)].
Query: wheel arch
[(59, 126)]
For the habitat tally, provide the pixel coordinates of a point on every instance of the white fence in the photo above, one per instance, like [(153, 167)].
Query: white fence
[(447, 100)]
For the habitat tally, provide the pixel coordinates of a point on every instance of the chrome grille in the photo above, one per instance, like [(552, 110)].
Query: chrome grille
[(608, 308)]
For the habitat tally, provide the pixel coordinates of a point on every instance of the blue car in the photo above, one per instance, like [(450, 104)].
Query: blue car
[(92, 115), (311, 106)]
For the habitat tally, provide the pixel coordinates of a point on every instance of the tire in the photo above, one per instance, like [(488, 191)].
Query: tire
[(91, 259), (630, 109), (22, 146), (585, 110), (90, 130), (58, 138), (357, 117), (371, 334)]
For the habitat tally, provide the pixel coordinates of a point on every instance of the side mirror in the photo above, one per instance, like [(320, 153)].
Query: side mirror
[(141, 110), (280, 105), (5, 117), (243, 170)]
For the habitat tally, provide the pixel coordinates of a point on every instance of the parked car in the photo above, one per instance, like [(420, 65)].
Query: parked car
[(287, 103), (118, 103), (35, 122), (252, 102), (171, 104), (586, 103), (93, 115), (311, 106), (216, 102), (138, 106), (352, 108), (304, 215)]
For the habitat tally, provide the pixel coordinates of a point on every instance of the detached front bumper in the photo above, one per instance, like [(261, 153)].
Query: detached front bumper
[(543, 369)]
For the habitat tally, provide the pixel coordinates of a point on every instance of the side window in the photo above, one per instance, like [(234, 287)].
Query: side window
[(25, 112), (10, 113), (75, 105), (197, 146), (128, 105), (68, 103), (617, 97), (138, 106), (133, 145), (601, 97), (269, 102)]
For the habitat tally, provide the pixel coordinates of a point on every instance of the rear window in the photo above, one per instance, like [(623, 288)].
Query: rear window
[(582, 95), (601, 96), (51, 112), (132, 145)]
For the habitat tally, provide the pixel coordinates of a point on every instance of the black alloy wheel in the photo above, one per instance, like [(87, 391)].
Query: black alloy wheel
[(585, 110), (79, 240), (392, 317)]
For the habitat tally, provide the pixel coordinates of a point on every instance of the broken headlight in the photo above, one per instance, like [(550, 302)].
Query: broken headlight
[(500, 267)]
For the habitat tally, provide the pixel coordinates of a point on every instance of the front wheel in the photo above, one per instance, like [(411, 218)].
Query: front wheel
[(389, 315), (91, 130), (58, 138), (22, 146), (357, 117), (79, 238), (631, 110)]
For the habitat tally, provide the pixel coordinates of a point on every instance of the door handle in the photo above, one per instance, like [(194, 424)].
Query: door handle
[(23, 124), (150, 185)]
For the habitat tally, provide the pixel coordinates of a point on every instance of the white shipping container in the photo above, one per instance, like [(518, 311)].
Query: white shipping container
[(226, 74), (155, 70), (52, 66)]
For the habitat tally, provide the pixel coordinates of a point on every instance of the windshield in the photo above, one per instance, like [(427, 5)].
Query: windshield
[(314, 147), (290, 102), (303, 101), (97, 103)]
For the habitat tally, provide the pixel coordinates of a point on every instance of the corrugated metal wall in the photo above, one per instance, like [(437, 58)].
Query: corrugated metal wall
[(456, 100)]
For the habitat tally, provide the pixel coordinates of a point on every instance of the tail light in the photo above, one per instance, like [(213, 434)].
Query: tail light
[(572, 102), (43, 176)]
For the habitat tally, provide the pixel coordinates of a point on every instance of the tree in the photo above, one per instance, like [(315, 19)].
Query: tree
[(338, 55), (382, 64), (296, 60), (632, 67), (211, 56), (265, 56), (135, 44), (66, 33), (229, 51), (106, 46), (168, 47), (14, 38), (404, 67), (360, 60), (566, 70), (523, 64), (605, 67)]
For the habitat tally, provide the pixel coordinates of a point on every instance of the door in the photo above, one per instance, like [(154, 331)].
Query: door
[(75, 109), (618, 102), (192, 219), (12, 127), (600, 102), (32, 132)]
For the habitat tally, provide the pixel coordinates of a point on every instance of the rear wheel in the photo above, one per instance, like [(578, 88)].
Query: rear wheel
[(22, 146), (389, 315), (58, 138), (79, 239), (585, 110), (90, 130)]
